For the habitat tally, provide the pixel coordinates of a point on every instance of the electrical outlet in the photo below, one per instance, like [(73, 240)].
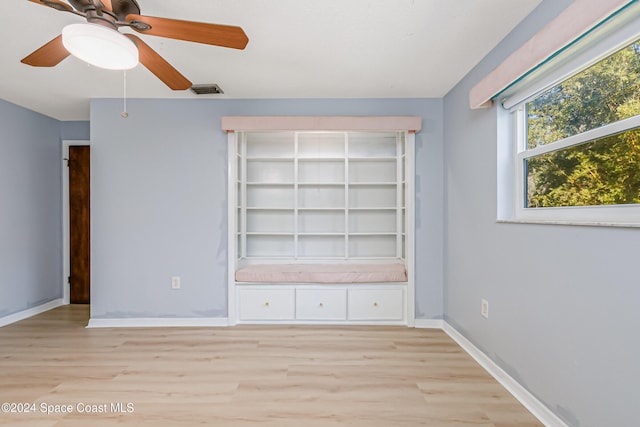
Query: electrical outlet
[(484, 308), (175, 282)]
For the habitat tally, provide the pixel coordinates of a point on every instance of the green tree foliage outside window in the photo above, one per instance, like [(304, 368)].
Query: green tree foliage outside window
[(599, 172)]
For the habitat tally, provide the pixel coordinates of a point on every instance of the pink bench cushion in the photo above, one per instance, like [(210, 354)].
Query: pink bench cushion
[(322, 273)]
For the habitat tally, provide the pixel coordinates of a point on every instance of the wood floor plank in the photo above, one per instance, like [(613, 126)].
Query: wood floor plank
[(245, 376)]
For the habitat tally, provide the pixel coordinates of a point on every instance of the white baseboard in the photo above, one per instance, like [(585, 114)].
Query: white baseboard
[(429, 323), (529, 401), (156, 322), (24, 314)]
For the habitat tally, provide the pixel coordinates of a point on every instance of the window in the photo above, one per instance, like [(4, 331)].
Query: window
[(578, 154)]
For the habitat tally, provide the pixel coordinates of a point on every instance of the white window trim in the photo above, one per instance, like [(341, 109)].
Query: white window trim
[(625, 215), (604, 215), (599, 44), (590, 135)]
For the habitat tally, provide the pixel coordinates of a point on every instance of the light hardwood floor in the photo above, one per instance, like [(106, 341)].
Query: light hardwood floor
[(245, 376)]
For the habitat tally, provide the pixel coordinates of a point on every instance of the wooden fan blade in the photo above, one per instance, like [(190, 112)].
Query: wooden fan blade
[(49, 55), (199, 32), (56, 4), (158, 66)]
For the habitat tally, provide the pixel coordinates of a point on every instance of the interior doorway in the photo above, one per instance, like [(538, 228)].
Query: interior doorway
[(77, 225)]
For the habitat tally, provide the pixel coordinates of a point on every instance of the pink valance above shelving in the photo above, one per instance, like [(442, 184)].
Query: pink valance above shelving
[(322, 123)]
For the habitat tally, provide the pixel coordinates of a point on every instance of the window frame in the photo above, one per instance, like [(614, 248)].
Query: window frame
[(624, 215), (594, 48)]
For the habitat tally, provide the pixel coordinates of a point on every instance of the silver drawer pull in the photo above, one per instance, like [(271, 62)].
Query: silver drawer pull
[(375, 304), (266, 304), (321, 305)]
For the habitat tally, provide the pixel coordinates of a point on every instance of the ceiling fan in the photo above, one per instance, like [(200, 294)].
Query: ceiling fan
[(108, 15)]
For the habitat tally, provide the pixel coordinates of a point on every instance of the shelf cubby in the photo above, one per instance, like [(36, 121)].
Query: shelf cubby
[(372, 221), (270, 196), (321, 196), (270, 246), (373, 145), (270, 170), (321, 221), (265, 221), (372, 171), (269, 144), (372, 246), (318, 145), (372, 196), (321, 246), (325, 170)]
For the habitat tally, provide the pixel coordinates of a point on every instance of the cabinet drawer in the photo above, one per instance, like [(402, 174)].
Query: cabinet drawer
[(321, 304), (376, 304), (266, 304)]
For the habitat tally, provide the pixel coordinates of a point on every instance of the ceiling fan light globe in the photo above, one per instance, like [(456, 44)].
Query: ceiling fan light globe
[(100, 46)]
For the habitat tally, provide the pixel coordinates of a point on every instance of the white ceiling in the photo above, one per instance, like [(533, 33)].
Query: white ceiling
[(297, 49)]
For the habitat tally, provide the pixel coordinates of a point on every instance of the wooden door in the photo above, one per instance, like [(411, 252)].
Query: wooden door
[(79, 224)]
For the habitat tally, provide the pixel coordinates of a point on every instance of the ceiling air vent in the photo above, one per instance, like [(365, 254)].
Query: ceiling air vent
[(212, 89)]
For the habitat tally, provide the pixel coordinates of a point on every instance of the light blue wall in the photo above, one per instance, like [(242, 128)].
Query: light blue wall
[(74, 130), (563, 300), (159, 201), (30, 216)]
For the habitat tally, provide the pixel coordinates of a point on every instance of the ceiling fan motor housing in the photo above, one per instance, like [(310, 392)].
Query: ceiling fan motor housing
[(119, 8)]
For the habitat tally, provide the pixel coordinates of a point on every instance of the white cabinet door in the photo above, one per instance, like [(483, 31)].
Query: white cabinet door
[(321, 304), (266, 304), (376, 304)]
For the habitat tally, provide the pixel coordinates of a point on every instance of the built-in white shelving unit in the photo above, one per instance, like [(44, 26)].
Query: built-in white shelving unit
[(315, 197), (331, 195)]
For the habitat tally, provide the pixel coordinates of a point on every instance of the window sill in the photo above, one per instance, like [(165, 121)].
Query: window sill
[(569, 222)]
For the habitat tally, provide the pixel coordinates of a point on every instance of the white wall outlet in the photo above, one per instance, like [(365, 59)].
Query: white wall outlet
[(175, 282), (484, 308)]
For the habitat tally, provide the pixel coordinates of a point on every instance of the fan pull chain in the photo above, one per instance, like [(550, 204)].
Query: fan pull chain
[(124, 113)]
